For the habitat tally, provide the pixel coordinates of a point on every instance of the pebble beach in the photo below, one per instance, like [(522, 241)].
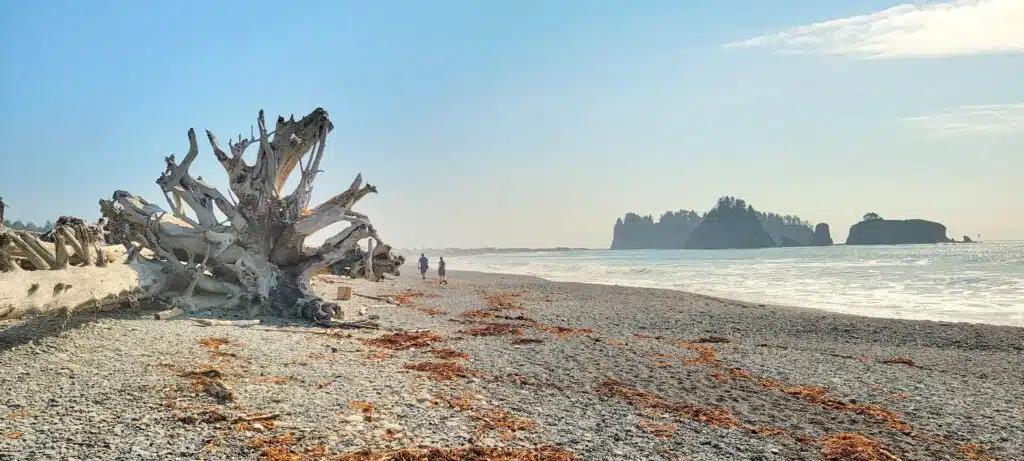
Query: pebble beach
[(512, 367)]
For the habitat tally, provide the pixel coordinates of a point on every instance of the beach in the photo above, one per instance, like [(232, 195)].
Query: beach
[(553, 369)]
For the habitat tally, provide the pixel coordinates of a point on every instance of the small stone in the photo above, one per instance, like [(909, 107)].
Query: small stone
[(354, 418)]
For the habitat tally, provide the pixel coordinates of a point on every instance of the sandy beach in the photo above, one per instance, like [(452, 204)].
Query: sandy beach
[(553, 370)]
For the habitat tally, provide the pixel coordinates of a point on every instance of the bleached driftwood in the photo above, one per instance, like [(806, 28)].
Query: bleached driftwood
[(169, 314), (82, 246), (225, 323), (258, 252), (27, 293)]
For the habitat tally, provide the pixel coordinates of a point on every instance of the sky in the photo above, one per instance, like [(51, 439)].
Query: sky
[(535, 123)]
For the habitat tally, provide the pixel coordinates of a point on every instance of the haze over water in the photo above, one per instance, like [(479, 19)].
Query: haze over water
[(981, 283)]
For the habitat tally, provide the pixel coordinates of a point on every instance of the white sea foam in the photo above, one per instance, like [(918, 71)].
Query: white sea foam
[(981, 283)]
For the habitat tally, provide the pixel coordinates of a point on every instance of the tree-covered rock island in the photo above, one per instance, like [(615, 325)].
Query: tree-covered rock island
[(875, 230), (731, 223)]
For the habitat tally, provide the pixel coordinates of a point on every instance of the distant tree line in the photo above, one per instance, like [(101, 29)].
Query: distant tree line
[(30, 226), (634, 232), (674, 228)]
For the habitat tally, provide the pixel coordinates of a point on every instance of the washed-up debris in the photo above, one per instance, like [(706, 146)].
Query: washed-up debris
[(663, 432), (525, 341), (854, 447), (706, 355), (17, 415), (714, 417), (449, 354), (403, 340), (478, 314), (494, 419), (225, 323), (899, 361), (563, 332), (609, 341), (214, 343), (543, 453), (494, 329), (819, 396), (207, 379), (503, 301), (366, 408), (711, 339), (974, 452), (400, 299), (442, 371), (378, 356)]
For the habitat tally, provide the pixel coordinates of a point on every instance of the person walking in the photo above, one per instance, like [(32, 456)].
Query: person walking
[(441, 271), (424, 265)]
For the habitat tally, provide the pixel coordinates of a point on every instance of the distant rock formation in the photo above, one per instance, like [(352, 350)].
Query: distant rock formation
[(874, 230), (743, 227), (822, 236), (968, 239), (635, 232), (732, 223)]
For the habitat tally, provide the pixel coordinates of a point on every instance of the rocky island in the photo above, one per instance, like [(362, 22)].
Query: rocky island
[(875, 230), (732, 223)]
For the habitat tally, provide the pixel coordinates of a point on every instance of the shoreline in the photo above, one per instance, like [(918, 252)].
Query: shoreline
[(728, 299), (602, 372)]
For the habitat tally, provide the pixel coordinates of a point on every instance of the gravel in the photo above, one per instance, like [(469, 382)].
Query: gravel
[(109, 386)]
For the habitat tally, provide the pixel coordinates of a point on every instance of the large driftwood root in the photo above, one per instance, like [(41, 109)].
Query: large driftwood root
[(257, 252)]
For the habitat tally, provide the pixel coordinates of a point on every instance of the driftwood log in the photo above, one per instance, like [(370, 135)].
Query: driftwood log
[(249, 244), (255, 247), (79, 288), (71, 243), (354, 263)]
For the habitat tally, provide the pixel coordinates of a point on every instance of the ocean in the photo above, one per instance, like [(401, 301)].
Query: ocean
[(981, 282)]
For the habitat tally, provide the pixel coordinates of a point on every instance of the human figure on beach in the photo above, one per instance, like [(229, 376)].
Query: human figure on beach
[(441, 271), (424, 265)]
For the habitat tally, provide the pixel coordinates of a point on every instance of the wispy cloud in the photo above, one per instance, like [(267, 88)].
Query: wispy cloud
[(959, 27), (972, 120)]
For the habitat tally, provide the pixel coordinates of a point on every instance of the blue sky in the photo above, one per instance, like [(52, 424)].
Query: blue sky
[(536, 123)]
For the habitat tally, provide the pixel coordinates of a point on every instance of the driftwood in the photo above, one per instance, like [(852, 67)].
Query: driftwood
[(226, 323), (363, 324), (72, 242), (168, 314), (93, 288), (257, 250), (355, 261), (249, 244), (385, 299)]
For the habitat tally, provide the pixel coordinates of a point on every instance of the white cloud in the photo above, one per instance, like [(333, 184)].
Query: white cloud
[(972, 120), (958, 27)]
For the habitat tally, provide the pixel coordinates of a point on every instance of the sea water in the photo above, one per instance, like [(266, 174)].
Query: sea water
[(980, 282)]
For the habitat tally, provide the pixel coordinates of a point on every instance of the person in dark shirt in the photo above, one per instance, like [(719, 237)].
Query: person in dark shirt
[(441, 271), (424, 265)]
